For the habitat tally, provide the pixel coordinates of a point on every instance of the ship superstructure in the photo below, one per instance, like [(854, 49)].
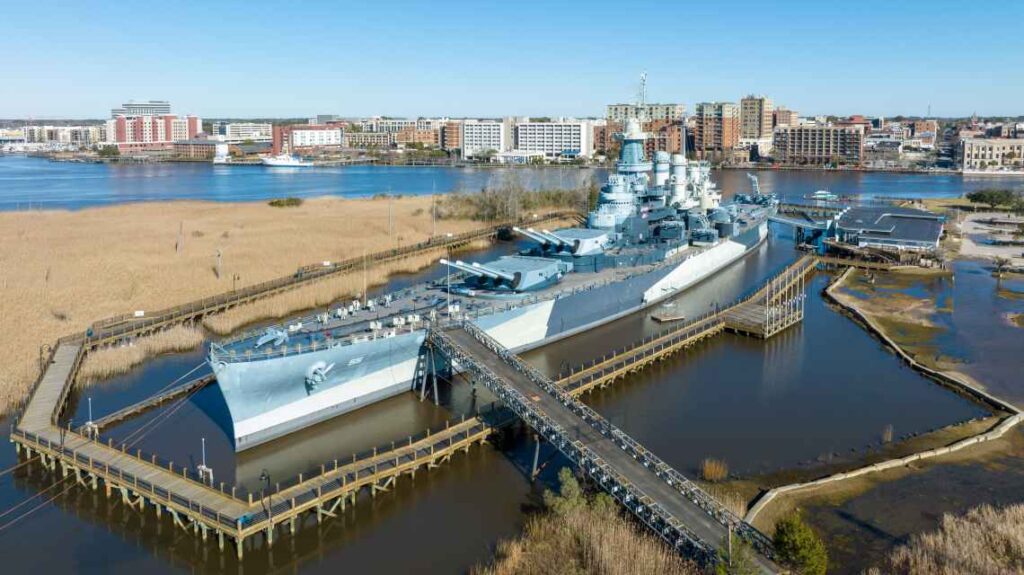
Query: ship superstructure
[(643, 242)]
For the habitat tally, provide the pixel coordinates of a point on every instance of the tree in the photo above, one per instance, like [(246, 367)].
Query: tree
[(109, 152), (799, 547), (992, 196), (735, 559)]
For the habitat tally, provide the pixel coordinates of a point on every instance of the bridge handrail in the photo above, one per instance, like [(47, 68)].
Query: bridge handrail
[(624, 490), (675, 479)]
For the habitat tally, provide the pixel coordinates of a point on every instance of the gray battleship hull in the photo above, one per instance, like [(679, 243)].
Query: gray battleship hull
[(269, 398)]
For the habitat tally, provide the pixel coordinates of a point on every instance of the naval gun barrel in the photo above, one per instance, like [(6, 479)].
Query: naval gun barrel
[(480, 270), (461, 266), (530, 233), (555, 239)]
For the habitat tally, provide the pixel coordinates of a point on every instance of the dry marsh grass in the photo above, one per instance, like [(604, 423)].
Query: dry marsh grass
[(583, 533), (984, 541), (110, 361), (321, 293), (584, 540), (62, 270), (714, 470)]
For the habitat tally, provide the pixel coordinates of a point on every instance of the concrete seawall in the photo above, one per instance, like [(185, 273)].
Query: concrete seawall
[(961, 386)]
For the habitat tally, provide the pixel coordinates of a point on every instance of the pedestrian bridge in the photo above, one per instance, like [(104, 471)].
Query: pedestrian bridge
[(669, 504)]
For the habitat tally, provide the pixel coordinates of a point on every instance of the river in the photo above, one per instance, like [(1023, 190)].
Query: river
[(822, 389), (36, 183)]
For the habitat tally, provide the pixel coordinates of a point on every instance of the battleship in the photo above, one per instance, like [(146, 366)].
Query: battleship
[(659, 227)]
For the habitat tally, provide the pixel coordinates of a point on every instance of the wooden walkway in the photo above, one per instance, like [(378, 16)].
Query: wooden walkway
[(198, 504), (116, 328), (195, 503)]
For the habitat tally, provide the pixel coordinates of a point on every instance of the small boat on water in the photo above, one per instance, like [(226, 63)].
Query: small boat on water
[(822, 196), (285, 161)]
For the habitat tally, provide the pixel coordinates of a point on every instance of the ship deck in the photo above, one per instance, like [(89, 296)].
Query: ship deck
[(429, 301)]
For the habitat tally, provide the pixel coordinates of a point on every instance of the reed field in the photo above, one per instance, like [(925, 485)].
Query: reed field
[(580, 533), (109, 361), (62, 270), (984, 541), (323, 292)]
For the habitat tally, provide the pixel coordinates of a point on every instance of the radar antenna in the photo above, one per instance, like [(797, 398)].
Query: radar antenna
[(641, 98)]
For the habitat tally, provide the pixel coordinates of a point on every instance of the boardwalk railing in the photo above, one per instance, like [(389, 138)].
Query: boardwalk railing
[(673, 478)]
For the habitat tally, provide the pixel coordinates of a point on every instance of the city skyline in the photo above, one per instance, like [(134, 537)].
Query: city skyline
[(412, 59)]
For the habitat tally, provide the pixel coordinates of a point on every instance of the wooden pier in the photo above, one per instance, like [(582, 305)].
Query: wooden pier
[(195, 502)]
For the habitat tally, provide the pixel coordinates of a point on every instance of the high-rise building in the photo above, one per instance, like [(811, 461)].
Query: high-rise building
[(148, 108), (756, 117), (717, 127), (451, 136), (566, 138), (819, 144), (137, 133), (479, 136), (619, 113)]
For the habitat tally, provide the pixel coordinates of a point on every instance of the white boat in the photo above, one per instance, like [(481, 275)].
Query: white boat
[(286, 161), (823, 196)]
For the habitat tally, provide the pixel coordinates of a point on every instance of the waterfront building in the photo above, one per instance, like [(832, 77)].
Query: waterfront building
[(717, 127), (306, 136), (426, 137), (991, 154), (562, 138), (140, 133), (619, 113), (67, 135), (451, 136), (519, 157), (890, 227), (147, 108), (253, 131), (783, 117), (481, 136), (377, 140), (12, 136), (196, 149), (819, 144), (219, 128)]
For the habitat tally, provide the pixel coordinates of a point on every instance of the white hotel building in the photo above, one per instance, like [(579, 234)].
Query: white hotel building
[(482, 135), (242, 131), (564, 138), (308, 138)]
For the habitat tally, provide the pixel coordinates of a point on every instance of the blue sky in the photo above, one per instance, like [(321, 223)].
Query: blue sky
[(247, 59)]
